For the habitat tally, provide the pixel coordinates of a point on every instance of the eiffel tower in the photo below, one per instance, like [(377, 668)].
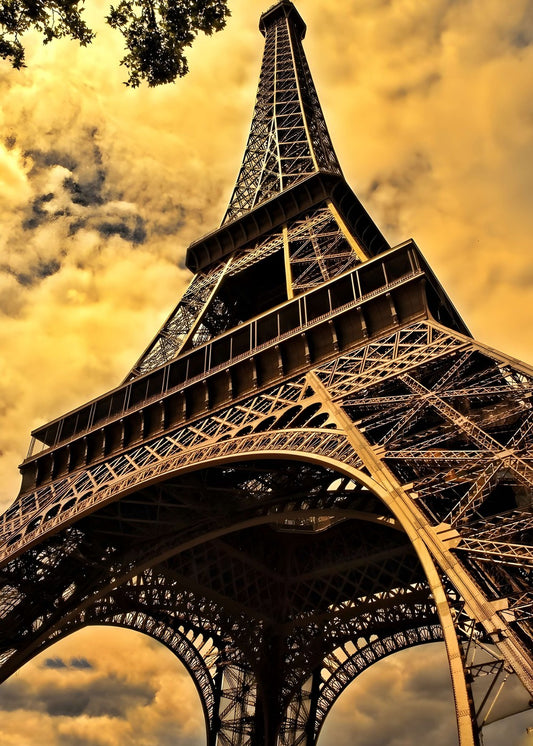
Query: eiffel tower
[(312, 466)]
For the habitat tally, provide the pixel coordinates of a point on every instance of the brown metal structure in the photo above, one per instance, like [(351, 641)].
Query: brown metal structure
[(312, 466)]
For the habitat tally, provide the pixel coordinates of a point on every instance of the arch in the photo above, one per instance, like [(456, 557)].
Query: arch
[(313, 701), (407, 695), (106, 673), (185, 651), (354, 665), (311, 445), (178, 642), (327, 448)]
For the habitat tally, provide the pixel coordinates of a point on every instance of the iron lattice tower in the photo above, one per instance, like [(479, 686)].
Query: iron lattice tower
[(312, 466)]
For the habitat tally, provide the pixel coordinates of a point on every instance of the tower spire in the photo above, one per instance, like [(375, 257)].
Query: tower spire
[(288, 138)]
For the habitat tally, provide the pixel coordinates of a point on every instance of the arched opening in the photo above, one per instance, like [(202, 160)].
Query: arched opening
[(242, 557), (287, 541), (102, 686), (402, 700), (406, 699)]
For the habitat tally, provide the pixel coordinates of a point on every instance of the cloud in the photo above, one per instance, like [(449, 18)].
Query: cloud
[(399, 701), (110, 696), (437, 140), (54, 663), (82, 663), (133, 691)]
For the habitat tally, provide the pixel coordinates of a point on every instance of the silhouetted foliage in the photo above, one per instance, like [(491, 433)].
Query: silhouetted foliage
[(156, 32)]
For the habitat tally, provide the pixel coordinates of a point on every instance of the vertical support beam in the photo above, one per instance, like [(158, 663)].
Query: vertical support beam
[(287, 258), (237, 707), (213, 728), (358, 250), (310, 725), (400, 500)]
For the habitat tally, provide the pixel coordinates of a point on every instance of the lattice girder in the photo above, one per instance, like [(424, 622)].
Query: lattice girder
[(364, 385), (311, 466), (288, 136)]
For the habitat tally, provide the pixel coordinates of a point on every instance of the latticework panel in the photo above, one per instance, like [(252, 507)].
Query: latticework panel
[(204, 310), (460, 430), (433, 423), (177, 328), (288, 138), (318, 250)]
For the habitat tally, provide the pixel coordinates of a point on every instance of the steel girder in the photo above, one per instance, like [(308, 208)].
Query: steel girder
[(288, 136), (298, 478), (461, 406)]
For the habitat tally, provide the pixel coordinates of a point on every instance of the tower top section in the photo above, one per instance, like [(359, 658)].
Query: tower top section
[(288, 140), (283, 9)]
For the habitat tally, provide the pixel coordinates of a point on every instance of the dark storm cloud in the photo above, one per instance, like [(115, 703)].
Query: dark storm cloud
[(86, 193), (38, 271), (76, 663), (43, 159), (82, 663), (54, 663), (110, 696), (14, 695), (73, 211), (83, 198), (521, 34), (132, 229)]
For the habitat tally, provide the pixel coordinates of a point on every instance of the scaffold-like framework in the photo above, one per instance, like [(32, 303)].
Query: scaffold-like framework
[(312, 466)]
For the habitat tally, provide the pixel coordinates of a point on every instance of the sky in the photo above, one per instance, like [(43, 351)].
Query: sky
[(430, 108)]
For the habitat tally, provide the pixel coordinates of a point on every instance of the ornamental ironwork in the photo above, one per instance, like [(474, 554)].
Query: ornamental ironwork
[(312, 466)]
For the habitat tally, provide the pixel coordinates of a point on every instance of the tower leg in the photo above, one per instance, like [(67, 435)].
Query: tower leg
[(299, 724), (466, 726), (237, 703), (467, 729)]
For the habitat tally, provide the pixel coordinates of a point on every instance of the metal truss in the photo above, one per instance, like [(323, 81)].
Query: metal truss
[(288, 138), (452, 397), (319, 250), (312, 250), (287, 489), (183, 320), (489, 673)]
